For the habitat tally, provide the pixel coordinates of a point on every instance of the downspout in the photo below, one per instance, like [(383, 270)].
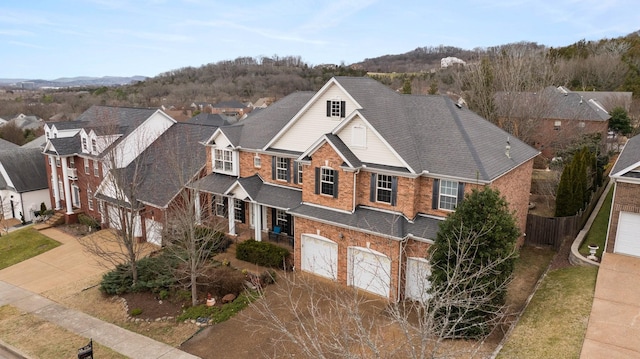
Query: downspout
[(355, 192)]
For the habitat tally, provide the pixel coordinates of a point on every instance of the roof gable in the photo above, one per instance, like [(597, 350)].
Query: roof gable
[(628, 163)]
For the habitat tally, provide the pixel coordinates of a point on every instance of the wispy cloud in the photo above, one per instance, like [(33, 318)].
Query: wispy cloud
[(264, 32), (155, 36), (25, 44), (335, 13), (14, 32)]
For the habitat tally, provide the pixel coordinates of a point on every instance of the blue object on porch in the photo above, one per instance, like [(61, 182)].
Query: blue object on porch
[(277, 229)]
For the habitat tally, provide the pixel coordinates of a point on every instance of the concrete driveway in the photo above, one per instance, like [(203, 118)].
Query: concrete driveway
[(60, 266), (614, 324)]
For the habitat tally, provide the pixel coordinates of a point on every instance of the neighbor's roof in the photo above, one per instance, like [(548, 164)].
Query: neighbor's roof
[(169, 163), (6, 145), (212, 119), (26, 169), (550, 103), (628, 160)]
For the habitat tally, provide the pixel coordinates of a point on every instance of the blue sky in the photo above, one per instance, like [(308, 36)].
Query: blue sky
[(50, 39)]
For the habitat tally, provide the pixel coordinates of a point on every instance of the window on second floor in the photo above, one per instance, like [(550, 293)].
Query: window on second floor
[(96, 169), (384, 188), (336, 108), (298, 172), (57, 161), (280, 169), (85, 147), (556, 125), (326, 181), (447, 194), (223, 160), (94, 145), (86, 166), (256, 161)]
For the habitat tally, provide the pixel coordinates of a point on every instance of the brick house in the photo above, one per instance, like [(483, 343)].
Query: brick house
[(357, 178), (551, 119), (106, 146), (623, 234)]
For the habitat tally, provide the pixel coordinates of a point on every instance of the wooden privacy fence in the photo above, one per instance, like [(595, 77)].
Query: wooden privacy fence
[(551, 231)]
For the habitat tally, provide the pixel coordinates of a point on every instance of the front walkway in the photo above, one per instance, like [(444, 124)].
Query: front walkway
[(21, 284), (614, 324)]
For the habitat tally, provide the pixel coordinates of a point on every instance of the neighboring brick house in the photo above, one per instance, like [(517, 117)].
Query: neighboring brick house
[(109, 145), (231, 108), (358, 177), (623, 234), (551, 119)]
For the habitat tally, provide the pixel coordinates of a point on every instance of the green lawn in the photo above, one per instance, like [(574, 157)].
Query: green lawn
[(23, 244), (598, 231), (555, 322)]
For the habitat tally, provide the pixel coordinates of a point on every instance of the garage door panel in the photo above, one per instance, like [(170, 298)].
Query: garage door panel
[(628, 234), (417, 282), (369, 270), (319, 256)]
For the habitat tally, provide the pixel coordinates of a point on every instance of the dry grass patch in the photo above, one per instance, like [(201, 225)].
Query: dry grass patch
[(555, 322), (18, 329), (86, 297)]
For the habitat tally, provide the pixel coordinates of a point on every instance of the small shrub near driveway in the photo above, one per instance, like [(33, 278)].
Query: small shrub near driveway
[(219, 314), (23, 244), (262, 253)]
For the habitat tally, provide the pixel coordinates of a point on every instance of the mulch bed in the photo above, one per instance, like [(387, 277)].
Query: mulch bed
[(152, 308), (561, 259)]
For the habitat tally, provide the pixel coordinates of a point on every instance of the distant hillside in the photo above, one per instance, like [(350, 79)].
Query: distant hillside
[(71, 82)]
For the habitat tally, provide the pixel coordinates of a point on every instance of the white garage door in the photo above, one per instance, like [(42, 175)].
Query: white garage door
[(154, 231), (319, 256), (417, 279), (628, 236), (369, 270), (115, 221)]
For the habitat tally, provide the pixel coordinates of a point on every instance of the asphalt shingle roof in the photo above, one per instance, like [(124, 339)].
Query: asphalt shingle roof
[(629, 156), (169, 163), (26, 167), (371, 220)]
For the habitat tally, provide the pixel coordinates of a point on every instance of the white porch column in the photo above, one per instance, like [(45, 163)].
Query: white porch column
[(232, 216), (257, 221), (196, 202), (67, 186), (265, 225), (54, 182)]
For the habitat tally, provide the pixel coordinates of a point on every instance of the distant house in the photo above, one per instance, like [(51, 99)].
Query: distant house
[(608, 99), (231, 108), (623, 235), (263, 102), (201, 106), (24, 183), (551, 119), (25, 122), (212, 119)]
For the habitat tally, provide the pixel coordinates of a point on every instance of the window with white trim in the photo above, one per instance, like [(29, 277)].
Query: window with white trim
[(94, 145), (96, 169), (327, 178), (256, 161), (282, 168), (90, 199), (383, 188), (557, 124), (238, 210), (223, 160), (86, 167), (282, 219), (218, 206), (299, 169), (57, 161), (60, 188), (85, 147), (75, 195), (448, 195)]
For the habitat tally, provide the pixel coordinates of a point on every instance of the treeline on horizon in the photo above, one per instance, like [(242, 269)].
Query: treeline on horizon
[(604, 65)]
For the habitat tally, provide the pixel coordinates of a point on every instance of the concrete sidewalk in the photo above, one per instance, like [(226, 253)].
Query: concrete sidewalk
[(21, 284), (614, 324)]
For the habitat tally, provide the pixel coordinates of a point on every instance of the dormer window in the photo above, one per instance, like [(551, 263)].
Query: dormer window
[(94, 145), (85, 147), (336, 109)]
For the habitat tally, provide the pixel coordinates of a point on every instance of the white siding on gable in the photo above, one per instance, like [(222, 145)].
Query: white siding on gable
[(314, 122), (140, 138), (375, 150)]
